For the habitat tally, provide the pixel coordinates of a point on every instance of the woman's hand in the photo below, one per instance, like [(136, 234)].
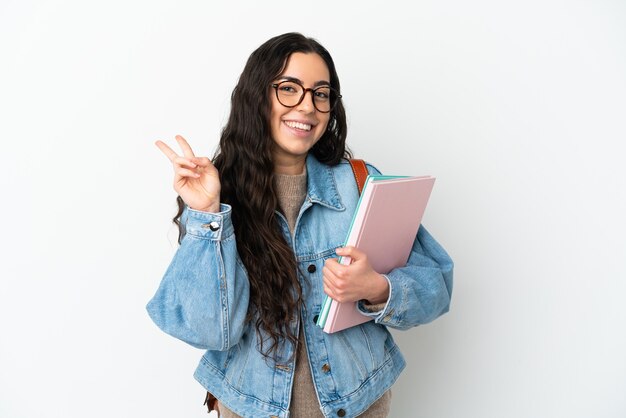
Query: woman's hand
[(355, 281), (196, 179)]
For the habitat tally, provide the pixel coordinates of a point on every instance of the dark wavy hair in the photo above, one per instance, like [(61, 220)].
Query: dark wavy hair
[(246, 168)]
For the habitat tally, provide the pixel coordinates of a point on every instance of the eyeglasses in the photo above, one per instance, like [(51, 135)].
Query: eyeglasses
[(291, 93)]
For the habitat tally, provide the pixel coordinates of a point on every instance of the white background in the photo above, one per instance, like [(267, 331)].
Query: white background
[(518, 109)]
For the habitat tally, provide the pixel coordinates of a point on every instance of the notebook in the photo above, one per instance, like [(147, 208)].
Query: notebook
[(384, 226)]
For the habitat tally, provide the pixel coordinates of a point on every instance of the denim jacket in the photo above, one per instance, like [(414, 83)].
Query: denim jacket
[(203, 300)]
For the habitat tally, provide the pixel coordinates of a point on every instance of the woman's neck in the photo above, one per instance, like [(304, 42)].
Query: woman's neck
[(292, 166)]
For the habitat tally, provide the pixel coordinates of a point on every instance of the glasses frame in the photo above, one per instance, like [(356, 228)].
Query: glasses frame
[(304, 91)]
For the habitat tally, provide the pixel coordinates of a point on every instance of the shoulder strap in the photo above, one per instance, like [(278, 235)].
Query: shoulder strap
[(360, 172)]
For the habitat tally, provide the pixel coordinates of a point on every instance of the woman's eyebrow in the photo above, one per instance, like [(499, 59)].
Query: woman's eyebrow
[(297, 80)]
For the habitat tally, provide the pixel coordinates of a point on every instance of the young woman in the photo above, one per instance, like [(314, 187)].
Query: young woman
[(260, 229)]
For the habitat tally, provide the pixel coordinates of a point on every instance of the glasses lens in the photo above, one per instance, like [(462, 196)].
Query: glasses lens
[(289, 93), (323, 98)]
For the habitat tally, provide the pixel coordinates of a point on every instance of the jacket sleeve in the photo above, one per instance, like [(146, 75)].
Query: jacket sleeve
[(203, 296), (418, 292)]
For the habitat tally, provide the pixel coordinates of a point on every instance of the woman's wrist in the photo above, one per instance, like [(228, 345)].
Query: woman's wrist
[(212, 208), (381, 291)]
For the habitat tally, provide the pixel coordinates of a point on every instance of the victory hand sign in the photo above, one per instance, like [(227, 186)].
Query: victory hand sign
[(196, 179)]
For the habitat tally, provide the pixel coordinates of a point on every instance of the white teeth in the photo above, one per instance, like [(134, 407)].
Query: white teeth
[(298, 125)]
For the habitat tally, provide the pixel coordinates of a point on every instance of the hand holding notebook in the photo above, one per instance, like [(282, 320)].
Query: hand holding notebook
[(355, 281)]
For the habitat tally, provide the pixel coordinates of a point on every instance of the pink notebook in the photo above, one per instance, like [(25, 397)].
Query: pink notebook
[(384, 227)]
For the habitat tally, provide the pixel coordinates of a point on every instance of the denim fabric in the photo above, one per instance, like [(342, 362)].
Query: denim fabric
[(203, 300)]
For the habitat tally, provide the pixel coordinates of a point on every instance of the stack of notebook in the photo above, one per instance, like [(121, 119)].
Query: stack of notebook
[(384, 227)]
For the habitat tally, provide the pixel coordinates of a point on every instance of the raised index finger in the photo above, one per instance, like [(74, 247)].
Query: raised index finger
[(185, 146), (169, 153)]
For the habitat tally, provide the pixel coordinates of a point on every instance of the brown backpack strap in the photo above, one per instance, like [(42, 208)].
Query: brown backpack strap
[(211, 403), (360, 172)]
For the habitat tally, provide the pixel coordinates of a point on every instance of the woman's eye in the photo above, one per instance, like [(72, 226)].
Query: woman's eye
[(322, 94), (289, 88)]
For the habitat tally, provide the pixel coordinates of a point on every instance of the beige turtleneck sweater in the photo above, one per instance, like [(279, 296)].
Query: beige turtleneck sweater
[(291, 192)]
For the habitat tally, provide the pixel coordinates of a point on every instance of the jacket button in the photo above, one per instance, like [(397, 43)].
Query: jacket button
[(341, 413), (213, 226), (311, 268), (326, 369), (315, 319)]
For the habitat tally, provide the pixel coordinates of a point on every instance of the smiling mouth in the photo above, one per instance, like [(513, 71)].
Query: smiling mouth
[(298, 125)]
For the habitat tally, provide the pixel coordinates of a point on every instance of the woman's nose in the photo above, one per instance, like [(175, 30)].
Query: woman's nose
[(307, 105)]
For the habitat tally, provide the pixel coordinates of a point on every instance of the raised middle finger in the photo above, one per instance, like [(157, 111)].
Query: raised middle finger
[(187, 151)]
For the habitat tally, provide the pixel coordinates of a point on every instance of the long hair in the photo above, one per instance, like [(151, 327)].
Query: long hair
[(244, 162)]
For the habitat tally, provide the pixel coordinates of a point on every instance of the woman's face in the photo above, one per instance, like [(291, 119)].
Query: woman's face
[(296, 129)]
